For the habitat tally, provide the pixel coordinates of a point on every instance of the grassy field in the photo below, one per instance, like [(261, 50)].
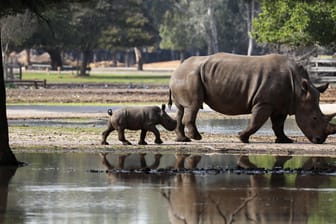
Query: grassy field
[(159, 78)]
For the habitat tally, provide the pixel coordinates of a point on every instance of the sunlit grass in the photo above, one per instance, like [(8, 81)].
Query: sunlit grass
[(160, 78)]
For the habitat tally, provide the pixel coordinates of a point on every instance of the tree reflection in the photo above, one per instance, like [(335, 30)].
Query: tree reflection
[(265, 199), (6, 173)]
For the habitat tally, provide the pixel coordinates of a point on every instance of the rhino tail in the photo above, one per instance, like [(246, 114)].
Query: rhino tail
[(109, 112), (170, 102)]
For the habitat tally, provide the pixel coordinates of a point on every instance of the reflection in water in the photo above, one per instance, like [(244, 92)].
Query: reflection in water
[(265, 199), (142, 188), (6, 173)]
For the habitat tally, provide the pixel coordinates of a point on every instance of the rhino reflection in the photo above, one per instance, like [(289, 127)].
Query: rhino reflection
[(265, 200), (120, 164)]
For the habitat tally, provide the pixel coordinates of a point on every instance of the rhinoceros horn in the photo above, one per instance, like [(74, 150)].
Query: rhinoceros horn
[(331, 128)]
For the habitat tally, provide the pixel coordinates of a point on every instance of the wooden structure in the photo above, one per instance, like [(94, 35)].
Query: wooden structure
[(13, 71), (323, 69), (35, 83)]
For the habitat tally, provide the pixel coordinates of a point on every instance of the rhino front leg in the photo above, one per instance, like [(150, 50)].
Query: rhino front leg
[(121, 137), (157, 135), (180, 135), (260, 114), (142, 137), (189, 119), (278, 122)]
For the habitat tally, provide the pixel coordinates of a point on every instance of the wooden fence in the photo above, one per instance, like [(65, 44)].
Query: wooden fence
[(323, 69)]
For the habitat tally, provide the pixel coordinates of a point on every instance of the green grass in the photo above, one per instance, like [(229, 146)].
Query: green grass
[(159, 78)]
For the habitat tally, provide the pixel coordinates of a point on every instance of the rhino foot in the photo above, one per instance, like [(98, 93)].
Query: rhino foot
[(104, 143), (195, 136), (244, 139), (126, 143), (182, 139), (158, 141), (142, 142), (284, 140)]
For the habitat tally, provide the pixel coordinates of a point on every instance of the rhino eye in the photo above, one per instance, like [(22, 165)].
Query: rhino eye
[(314, 118)]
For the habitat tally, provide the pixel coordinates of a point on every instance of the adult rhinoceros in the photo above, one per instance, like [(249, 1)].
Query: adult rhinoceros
[(271, 86)]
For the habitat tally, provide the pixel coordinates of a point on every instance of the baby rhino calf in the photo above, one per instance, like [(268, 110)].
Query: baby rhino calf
[(138, 118)]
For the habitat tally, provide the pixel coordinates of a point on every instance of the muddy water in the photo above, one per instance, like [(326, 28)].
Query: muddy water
[(74, 188)]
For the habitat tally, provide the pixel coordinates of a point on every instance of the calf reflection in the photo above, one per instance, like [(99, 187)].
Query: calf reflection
[(120, 164), (259, 199)]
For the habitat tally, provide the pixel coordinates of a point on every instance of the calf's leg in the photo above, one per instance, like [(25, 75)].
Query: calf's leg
[(121, 137), (142, 137), (157, 134), (106, 133)]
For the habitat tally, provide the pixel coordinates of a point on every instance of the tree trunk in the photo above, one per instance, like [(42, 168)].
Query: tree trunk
[(138, 58), (182, 56), (84, 64), (213, 35), (55, 58), (7, 158), (250, 16), (114, 59), (27, 59)]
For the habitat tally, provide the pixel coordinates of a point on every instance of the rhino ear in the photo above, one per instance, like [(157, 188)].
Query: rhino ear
[(163, 107), (323, 87), (304, 85)]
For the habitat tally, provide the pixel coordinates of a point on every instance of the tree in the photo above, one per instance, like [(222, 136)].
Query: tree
[(132, 28), (181, 30), (205, 26), (12, 7), (296, 23), (16, 29)]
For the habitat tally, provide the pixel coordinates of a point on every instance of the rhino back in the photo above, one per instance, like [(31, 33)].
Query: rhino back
[(135, 118), (233, 84)]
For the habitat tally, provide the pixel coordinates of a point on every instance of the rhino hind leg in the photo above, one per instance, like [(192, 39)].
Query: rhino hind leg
[(189, 119), (278, 122), (180, 135), (260, 114), (121, 137)]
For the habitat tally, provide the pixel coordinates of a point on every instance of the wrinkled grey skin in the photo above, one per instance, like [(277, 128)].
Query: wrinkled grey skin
[(138, 118), (271, 86)]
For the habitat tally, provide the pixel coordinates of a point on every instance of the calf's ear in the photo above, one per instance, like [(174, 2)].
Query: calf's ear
[(163, 107), (304, 85), (323, 87)]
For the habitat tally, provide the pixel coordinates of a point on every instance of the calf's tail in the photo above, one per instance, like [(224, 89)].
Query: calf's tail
[(109, 112), (170, 102)]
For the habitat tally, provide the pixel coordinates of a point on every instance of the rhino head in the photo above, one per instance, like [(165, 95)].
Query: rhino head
[(313, 123), (166, 121)]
